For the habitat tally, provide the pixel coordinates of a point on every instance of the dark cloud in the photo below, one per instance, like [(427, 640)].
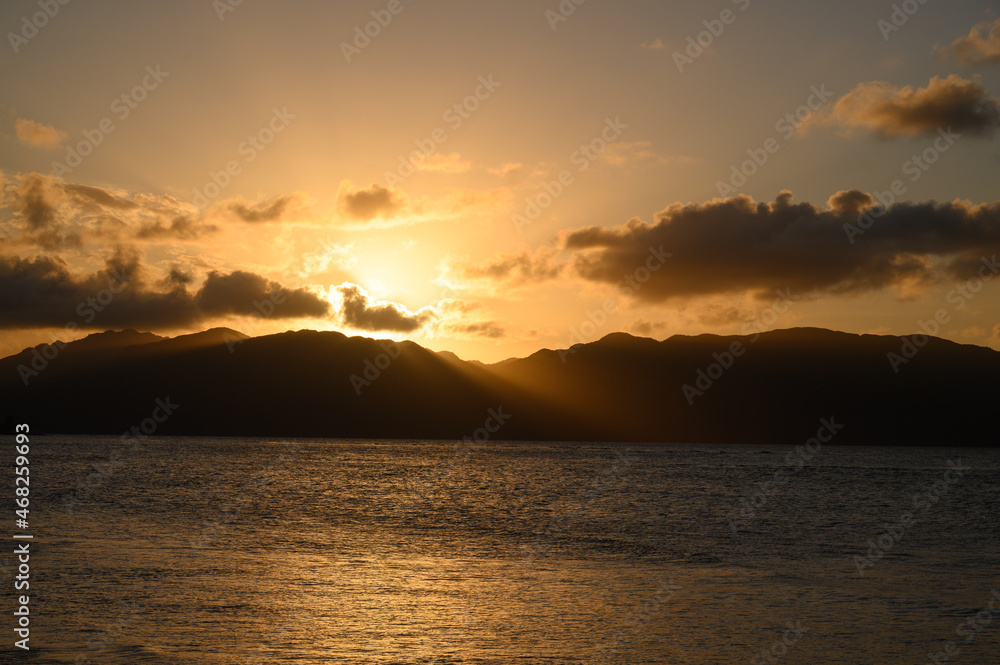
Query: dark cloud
[(176, 277), (360, 312), (245, 293), (98, 196), (366, 204), (954, 103), (52, 240), (36, 200), (980, 47), (488, 329), (264, 211), (41, 292), (181, 228), (737, 245)]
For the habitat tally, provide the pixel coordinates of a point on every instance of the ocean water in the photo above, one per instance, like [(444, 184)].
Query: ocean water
[(214, 550)]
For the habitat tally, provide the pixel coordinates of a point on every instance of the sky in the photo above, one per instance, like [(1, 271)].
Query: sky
[(493, 178)]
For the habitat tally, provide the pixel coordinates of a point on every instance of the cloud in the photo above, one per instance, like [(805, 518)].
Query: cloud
[(459, 318), (736, 245), (450, 163), (325, 252), (954, 102), (176, 276), (717, 315), (625, 153), (378, 207), (980, 47), (850, 202), (646, 328), (49, 213), (240, 292), (513, 269), (359, 311), (488, 329), (367, 204), (275, 210), (507, 170), (654, 45), (97, 197), (975, 332), (41, 291), (36, 200), (38, 135), (181, 228)]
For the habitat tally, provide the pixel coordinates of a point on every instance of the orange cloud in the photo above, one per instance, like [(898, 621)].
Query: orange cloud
[(635, 152), (980, 47), (451, 163), (38, 135)]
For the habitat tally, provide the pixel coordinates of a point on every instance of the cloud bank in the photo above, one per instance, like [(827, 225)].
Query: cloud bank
[(41, 292)]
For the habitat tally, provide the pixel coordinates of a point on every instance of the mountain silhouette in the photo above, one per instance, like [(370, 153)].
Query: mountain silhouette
[(769, 388)]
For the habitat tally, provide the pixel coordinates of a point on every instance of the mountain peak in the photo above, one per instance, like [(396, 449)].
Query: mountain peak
[(115, 339)]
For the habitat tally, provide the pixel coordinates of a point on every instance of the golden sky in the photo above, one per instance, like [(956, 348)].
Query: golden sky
[(495, 178)]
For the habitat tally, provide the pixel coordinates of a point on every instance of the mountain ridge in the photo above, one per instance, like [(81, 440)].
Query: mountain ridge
[(763, 388)]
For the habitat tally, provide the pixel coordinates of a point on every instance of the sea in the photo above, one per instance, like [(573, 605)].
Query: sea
[(239, 551)]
